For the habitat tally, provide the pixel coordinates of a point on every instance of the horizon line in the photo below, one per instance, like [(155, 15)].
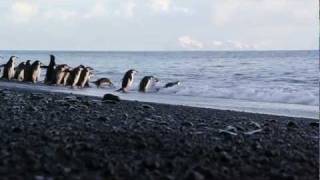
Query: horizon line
[(76, 50)]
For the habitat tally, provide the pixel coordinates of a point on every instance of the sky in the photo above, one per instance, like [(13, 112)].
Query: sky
[(165, 25)]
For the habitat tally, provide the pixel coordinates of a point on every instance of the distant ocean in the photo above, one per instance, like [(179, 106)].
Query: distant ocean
[(273, 82)]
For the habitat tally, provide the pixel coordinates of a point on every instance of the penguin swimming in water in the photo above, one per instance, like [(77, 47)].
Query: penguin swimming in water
[(127, 80), (19, 71), (103, 82), (74, 76), (27, 71), (171, 84), (60, 73), (66, 76), (35, 71), (8, 71), (85, 77), (146, 83), (50, 75), (88, 80)]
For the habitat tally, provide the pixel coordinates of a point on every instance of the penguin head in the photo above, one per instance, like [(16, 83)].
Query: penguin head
[(13, 58), (133, 71), (37, 63), (154, 79), (178, 82), (78, 71), (52, 57), (28, 63), (52, 60)]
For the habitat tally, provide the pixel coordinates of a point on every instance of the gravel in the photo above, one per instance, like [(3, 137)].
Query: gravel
[(65, 136)]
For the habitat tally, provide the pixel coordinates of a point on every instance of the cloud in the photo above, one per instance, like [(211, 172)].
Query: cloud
[(129, 8), (229, 11), (61, 14), (189, 43), (23, 11), (232, 45), (160, 5), (126, 9), (98, 10)]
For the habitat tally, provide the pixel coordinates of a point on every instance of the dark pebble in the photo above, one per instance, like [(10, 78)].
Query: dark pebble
[(147, 106), (314, 124), (187, 124), (292, 125), (110, 97)]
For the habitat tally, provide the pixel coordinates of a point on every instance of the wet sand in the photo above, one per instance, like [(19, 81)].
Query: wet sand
[(63, 136)]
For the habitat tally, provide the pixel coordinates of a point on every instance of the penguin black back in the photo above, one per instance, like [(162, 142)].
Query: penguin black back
[(145, 82), (127, 80), (27, 71), (50, 75), (8, 71)]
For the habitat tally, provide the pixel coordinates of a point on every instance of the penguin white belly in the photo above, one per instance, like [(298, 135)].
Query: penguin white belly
[(21, 75), (148, 85), (76, 79), (35, 75), (130, 81), (59, 77), (11, 73)]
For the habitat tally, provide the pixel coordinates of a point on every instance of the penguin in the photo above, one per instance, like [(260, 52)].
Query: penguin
[(88, 80), (127, 80), (50, 75), (19, 71), (60, 73), (35, 71), (8, 71), (146, 83), (103, 82), (66, 76), (74, 76), (171, 84), (27, 71), (84, 77)]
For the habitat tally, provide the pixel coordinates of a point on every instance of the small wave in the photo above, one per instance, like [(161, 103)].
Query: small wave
[(279, 95)]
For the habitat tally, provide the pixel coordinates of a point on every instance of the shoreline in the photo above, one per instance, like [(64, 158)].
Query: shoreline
[(47, 135), (271, 108)]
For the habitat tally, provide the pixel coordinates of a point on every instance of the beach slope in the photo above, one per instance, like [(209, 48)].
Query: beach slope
[(64, 136)]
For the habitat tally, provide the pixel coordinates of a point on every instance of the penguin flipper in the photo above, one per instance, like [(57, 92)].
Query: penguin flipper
[(121, 90)]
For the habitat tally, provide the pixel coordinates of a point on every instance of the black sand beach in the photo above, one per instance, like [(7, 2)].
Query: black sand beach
[(61, 136)]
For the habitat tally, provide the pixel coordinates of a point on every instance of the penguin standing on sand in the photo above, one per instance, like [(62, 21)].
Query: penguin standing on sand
[(35, 71), (127, 80), (146, 83), (8, 71), (27, 71), (19, 71), (103, 82), (50, 75)]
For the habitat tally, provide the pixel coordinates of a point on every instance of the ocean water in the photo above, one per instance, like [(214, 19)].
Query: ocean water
[(273, 82)]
